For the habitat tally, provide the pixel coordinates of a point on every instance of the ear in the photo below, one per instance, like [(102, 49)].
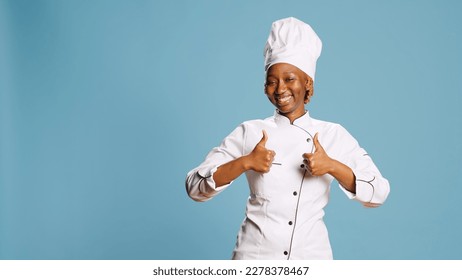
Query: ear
[(308, 89), (308, 82), (307, 96)]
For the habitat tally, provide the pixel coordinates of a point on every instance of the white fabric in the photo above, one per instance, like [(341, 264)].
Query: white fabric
[(284, 215), (295, 42)]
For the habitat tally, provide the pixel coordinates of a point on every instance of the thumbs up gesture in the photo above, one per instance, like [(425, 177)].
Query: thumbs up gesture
[(318, 163), (260, 159)]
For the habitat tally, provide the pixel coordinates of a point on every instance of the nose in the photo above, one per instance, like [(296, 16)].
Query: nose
[(281, 88)]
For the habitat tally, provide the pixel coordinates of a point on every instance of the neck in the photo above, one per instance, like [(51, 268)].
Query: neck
[(292, 116)]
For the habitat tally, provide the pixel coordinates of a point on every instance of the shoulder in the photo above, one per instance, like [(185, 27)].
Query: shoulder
[(259, 123), (252, 130), (327, 126), (250, 127), (333, 132)]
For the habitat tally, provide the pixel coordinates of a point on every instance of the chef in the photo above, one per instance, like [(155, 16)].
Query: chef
[(289, 159)]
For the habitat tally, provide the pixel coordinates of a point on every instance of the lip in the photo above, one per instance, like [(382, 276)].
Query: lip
[(283, 99)]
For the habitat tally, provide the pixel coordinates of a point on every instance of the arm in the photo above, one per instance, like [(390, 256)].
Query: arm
[(372, 188), (344, 175), (259, 160), (355, 171), (225, 163)]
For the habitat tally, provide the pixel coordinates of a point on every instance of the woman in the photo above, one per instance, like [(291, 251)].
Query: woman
[(290, 159)]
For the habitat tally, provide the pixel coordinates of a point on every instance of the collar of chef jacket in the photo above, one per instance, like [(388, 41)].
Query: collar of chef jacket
[(302, 121)]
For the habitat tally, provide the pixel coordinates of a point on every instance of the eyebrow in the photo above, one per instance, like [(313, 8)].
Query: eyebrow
[(284, 73)]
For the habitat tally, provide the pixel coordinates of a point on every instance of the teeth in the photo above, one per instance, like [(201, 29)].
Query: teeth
[(284, 99)]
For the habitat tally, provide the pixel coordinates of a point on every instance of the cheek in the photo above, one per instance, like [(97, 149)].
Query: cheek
[(270, 97), (269, 92)]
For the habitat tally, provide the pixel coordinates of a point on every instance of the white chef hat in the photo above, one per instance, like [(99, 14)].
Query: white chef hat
[(295, 42)]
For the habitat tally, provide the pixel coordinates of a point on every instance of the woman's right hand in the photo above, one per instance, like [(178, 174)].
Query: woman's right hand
[(261, 158)]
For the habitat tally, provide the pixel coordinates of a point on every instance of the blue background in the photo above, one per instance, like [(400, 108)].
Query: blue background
[(106, 105)]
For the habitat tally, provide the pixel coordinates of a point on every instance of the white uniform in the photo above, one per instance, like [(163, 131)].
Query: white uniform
[(284, 215)]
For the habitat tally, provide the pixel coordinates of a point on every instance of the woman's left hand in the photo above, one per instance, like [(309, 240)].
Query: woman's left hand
[(318, 163)]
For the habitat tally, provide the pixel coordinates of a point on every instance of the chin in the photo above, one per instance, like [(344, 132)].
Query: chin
[(286, 111)]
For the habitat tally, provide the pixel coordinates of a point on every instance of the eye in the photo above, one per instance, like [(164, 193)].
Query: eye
[(270, 83), (290, 79)]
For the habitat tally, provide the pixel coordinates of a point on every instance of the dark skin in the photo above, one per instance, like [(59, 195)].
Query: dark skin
[(288, 89)]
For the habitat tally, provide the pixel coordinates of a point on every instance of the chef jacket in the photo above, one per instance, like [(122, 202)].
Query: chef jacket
[(284, 212)]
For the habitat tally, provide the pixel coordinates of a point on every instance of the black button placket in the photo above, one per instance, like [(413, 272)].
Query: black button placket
[(290, 223), (297, 194)]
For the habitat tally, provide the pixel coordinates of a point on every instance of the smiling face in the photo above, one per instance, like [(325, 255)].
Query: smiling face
[(289, 89)]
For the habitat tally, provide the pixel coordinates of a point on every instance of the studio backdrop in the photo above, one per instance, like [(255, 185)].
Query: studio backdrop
[(106, 105)]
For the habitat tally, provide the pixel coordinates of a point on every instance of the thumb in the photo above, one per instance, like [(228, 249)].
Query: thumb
[(263, 139), (317, 145)]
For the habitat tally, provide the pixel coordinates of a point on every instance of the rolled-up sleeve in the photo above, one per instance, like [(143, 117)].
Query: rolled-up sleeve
[(200, 185), (372, 188)]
